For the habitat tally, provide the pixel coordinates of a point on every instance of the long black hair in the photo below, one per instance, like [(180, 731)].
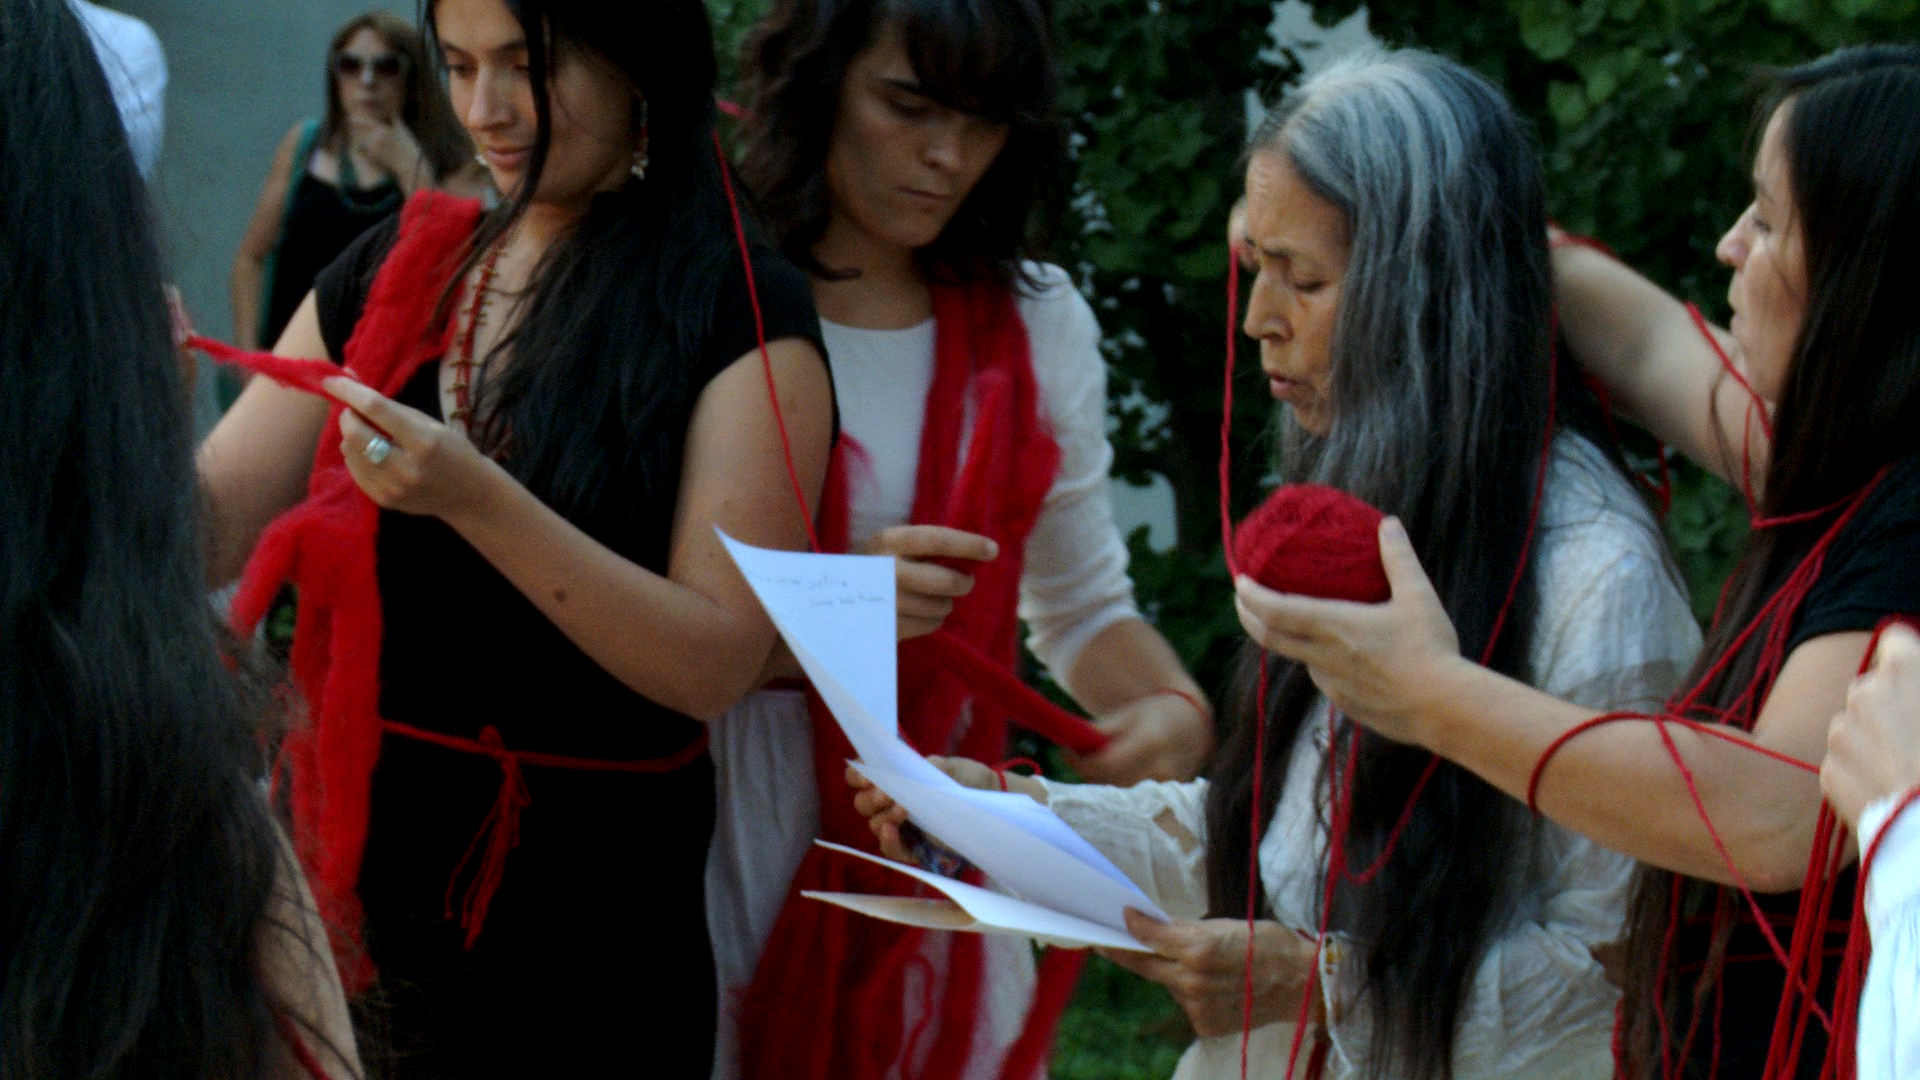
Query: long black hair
[(138, 855), (1440, 379), (1851, 401), (991, 58), (618, 313)]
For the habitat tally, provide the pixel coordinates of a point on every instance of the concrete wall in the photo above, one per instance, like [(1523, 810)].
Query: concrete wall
[(240, 72)]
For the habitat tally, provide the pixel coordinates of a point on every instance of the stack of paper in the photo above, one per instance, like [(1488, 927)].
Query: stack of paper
[(836, 613)]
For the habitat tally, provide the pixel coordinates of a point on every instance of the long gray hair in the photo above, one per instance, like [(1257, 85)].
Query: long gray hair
[(1441, 357)]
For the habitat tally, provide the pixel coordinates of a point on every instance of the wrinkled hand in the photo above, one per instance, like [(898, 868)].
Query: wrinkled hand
[(390, 143), (884, 816), (1158, 737), (1873, 747), (1203, 965), (1372, 661), (432, 470), (926, 590)]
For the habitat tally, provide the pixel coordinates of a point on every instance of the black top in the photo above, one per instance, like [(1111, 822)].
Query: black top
[(595, 950), (321, 220), (1871, 571)]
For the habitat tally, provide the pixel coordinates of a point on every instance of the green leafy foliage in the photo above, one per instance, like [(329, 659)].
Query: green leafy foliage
[(1643, 110)]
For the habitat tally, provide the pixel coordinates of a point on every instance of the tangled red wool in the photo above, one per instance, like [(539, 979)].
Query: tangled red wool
[(1314, 540)]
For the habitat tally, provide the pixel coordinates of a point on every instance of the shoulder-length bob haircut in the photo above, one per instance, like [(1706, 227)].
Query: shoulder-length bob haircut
[(990, 58), (424, 107), (1442, 365)]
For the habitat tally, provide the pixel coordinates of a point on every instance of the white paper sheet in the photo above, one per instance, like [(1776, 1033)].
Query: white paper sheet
[(974, 909), (836, 613)]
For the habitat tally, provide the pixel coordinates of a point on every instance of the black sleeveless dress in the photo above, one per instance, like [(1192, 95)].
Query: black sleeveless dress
[(321, 220), (594, 959)]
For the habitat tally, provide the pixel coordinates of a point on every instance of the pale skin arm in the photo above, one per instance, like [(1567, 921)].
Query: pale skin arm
[(1873, 745), (298, 971), (693, 640), (254, 464), (1644, 348), (1201, 962), (1397, 668), (263, 232)]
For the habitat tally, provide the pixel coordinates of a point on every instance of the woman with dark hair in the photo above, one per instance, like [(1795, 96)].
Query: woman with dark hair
[(1403, 309), (153, 923), (387, 130), (1816, 414), (903, 150), (562, 400)]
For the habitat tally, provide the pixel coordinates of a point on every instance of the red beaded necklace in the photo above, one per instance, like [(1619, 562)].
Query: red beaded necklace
[(463, 362)]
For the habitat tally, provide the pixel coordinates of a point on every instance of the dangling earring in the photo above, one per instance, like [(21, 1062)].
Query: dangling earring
[(639, 166)]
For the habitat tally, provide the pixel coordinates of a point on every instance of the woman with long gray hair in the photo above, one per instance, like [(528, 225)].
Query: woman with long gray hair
[(1403, 308)]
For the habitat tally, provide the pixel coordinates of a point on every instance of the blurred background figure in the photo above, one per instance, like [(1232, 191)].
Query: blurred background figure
[(387, 130), (136, 68)]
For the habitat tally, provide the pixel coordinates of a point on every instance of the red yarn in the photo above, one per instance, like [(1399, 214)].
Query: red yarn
[(1314, 540), (286, 370)]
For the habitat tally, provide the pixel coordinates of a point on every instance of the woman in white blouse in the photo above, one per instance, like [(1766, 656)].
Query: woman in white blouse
[(890, 144), (1403, 310), (1873, 760)]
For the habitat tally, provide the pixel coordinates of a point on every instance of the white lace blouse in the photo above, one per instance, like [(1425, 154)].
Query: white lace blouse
[(1614, 632)]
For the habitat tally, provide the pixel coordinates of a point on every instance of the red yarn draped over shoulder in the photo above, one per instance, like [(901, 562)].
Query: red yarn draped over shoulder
[(827, 1000), (325, 548)]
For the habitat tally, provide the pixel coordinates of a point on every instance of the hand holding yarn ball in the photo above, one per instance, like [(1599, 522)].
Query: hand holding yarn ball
[(1314, 540), (1328, 581)]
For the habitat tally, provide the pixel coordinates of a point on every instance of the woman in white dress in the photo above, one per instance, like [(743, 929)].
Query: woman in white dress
[(1397, 216), (899, 149)]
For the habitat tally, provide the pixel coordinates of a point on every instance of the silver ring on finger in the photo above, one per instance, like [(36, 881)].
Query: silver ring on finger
[(377, 449)]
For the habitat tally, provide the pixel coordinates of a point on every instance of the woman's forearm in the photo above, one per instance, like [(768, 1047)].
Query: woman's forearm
[(1619, 785), (248, 274), (664, 640), (1123, 663)]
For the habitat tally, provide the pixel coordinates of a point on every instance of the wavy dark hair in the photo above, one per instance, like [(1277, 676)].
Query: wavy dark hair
[(139, 856), (991, 58), (424, 108), (620, 308), (1440, 376), (1850, 404)]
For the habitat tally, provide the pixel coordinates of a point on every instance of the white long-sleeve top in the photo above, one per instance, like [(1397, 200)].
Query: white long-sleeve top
[(1888, 1046), (1613, 631)]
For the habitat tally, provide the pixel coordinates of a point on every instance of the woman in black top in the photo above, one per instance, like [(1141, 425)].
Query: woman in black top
[(387, 130), (1816, 414), (546, 554)]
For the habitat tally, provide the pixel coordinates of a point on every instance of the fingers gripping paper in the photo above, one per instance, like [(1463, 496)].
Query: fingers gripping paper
[(836, 614)]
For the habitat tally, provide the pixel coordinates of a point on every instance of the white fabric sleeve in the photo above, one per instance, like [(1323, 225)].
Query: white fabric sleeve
[(1075, 582), (1155, 832), (1888, 1046), (1614, 632)]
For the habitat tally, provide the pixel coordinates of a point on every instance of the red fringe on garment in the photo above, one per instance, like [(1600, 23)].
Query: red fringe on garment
[(325, 548)]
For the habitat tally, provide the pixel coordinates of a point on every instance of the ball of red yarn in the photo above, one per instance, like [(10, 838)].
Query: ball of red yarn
[(1314, 540)]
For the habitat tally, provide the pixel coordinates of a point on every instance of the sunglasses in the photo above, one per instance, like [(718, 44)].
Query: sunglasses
[(349, 65)]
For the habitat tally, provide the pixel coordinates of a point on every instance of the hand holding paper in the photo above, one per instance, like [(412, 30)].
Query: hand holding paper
[(836, 613)]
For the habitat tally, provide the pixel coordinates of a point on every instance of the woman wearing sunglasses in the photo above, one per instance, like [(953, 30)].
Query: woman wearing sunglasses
[(387, 130)]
